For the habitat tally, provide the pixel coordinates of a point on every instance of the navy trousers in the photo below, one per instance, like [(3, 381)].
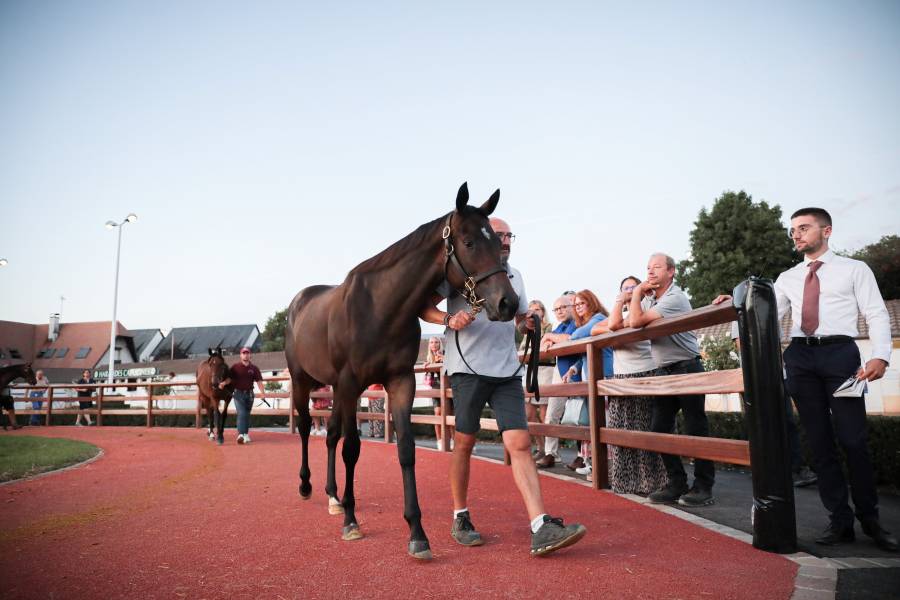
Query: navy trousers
[(813, 373)]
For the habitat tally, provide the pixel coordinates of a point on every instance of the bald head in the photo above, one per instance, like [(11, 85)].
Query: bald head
[(501, 228)]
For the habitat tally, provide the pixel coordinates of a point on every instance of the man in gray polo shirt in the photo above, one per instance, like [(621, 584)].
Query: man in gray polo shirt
[(659, 298), (488, 372)]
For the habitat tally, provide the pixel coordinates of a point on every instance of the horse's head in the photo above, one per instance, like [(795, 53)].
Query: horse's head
[(218, 370), (474, 250), (28, 374)]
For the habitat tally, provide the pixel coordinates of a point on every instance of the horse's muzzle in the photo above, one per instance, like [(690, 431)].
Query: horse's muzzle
[(505, 309)]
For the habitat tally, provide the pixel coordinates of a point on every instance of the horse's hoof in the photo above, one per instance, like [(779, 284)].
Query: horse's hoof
[(220, 441), (334, 507), (351, 532), (420, 550), (305, 491)]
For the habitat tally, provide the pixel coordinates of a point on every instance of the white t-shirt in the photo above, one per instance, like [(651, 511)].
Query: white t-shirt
[(488, 346)]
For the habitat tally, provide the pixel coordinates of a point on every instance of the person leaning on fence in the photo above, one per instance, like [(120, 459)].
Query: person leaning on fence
[(825, 294), (37, 405), (589, 314), (536, 410), (676, 354), (84, 392), (556, 406), (318, 423), (631, 471), (243, 374), (495, 379)]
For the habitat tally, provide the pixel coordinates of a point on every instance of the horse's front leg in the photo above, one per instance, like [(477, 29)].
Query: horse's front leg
[(401, 391), (210, 419), (222, 418), (217, 420), (350, 454)]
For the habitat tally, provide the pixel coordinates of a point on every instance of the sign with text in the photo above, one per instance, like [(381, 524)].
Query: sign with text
[(128, 373)]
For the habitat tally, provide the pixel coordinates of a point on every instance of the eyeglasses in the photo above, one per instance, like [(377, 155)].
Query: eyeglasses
[(568, 293), (245, 353), (577, 304), (559, 308), (802, 230), (628, 288), (505, 235)]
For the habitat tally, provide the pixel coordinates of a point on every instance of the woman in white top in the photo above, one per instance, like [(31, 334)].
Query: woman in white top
[(631, 471)]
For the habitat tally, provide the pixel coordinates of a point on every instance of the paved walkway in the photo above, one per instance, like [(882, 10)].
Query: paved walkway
[(165, 513)]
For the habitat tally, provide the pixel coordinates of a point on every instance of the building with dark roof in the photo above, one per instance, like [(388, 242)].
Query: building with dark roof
[(195, 342), (146, 341)]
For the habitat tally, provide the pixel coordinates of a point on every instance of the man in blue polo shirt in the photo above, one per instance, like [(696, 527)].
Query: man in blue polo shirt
[(564, 311)]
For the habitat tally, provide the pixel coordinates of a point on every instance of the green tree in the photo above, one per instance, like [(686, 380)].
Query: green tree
[(719, 353), (735, 239), (273, 334), (883, 257)]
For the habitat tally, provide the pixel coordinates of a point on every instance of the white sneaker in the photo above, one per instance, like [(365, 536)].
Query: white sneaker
[(585, 470), (240, 438), (246, 438)]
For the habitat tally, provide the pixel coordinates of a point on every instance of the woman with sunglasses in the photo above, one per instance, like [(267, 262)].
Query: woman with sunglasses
[(631, 471)]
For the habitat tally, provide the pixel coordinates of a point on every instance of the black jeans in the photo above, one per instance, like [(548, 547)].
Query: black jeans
[(665, 409), (813, 373)]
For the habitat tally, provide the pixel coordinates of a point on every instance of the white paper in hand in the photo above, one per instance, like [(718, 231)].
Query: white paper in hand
[(852, 388)]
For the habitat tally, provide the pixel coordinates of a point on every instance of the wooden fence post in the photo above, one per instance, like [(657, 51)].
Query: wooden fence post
[(597, 413), (198, 417), (100, 395), (150, 405), (49, 407), (444, 402)]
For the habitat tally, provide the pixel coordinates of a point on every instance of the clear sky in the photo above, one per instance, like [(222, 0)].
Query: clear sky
[(269, 146)]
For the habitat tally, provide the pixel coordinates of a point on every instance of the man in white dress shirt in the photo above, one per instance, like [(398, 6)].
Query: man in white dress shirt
[(824, 294)]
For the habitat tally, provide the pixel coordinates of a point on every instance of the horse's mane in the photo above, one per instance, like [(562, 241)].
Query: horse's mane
[(393, 253), (389, 256)]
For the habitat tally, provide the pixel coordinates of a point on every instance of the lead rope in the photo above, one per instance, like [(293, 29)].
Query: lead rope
[(532, 351)]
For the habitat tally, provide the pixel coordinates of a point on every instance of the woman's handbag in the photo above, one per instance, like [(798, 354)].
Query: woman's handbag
[(576, 412)]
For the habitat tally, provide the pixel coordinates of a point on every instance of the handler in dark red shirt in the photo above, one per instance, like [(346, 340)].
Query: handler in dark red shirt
[(243, 374)]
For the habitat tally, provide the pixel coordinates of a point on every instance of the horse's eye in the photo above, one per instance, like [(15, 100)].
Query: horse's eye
[(468, 243)]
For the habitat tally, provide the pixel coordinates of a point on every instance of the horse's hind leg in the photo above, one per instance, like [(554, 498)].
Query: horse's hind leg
[(401, 391), (350, 454), (218, 421), (300, 401), (333, 435), (220, 437)]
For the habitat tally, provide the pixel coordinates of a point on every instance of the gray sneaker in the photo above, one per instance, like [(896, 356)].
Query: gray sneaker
[(667, 495), (697, 497), (553, 535), (464, 532)]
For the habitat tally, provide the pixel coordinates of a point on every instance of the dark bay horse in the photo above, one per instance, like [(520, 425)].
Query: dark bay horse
[(8, 374), (366, 331), (210, 374)]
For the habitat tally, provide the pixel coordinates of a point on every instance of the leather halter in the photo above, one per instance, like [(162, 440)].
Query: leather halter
[(470, 280)]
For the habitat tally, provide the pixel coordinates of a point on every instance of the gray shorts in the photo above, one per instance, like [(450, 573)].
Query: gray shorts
[(472, 392)]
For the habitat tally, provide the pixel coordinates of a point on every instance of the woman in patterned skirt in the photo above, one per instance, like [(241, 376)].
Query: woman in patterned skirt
[(631, 471)]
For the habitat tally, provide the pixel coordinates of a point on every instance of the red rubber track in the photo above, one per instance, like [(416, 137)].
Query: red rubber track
[(165, 513)]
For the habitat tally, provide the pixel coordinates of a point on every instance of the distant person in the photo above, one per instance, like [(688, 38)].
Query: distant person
[(659, 298), (243, 374), (319, 425), (38, 404), (84, 392), (433, 358), (376, 405), (536, 410)]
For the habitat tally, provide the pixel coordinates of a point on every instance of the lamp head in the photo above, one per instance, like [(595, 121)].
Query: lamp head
[(131, 218), (3, 262), (111, 225)]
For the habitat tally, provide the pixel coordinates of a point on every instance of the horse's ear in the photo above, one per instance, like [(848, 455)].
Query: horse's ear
[(489, 206), (210, 351), (462, 197)]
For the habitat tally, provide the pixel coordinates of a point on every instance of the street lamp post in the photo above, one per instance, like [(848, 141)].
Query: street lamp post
[(131, 218)]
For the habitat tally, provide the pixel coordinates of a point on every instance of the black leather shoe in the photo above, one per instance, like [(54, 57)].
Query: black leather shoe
[(883, 539), (836, 534)]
